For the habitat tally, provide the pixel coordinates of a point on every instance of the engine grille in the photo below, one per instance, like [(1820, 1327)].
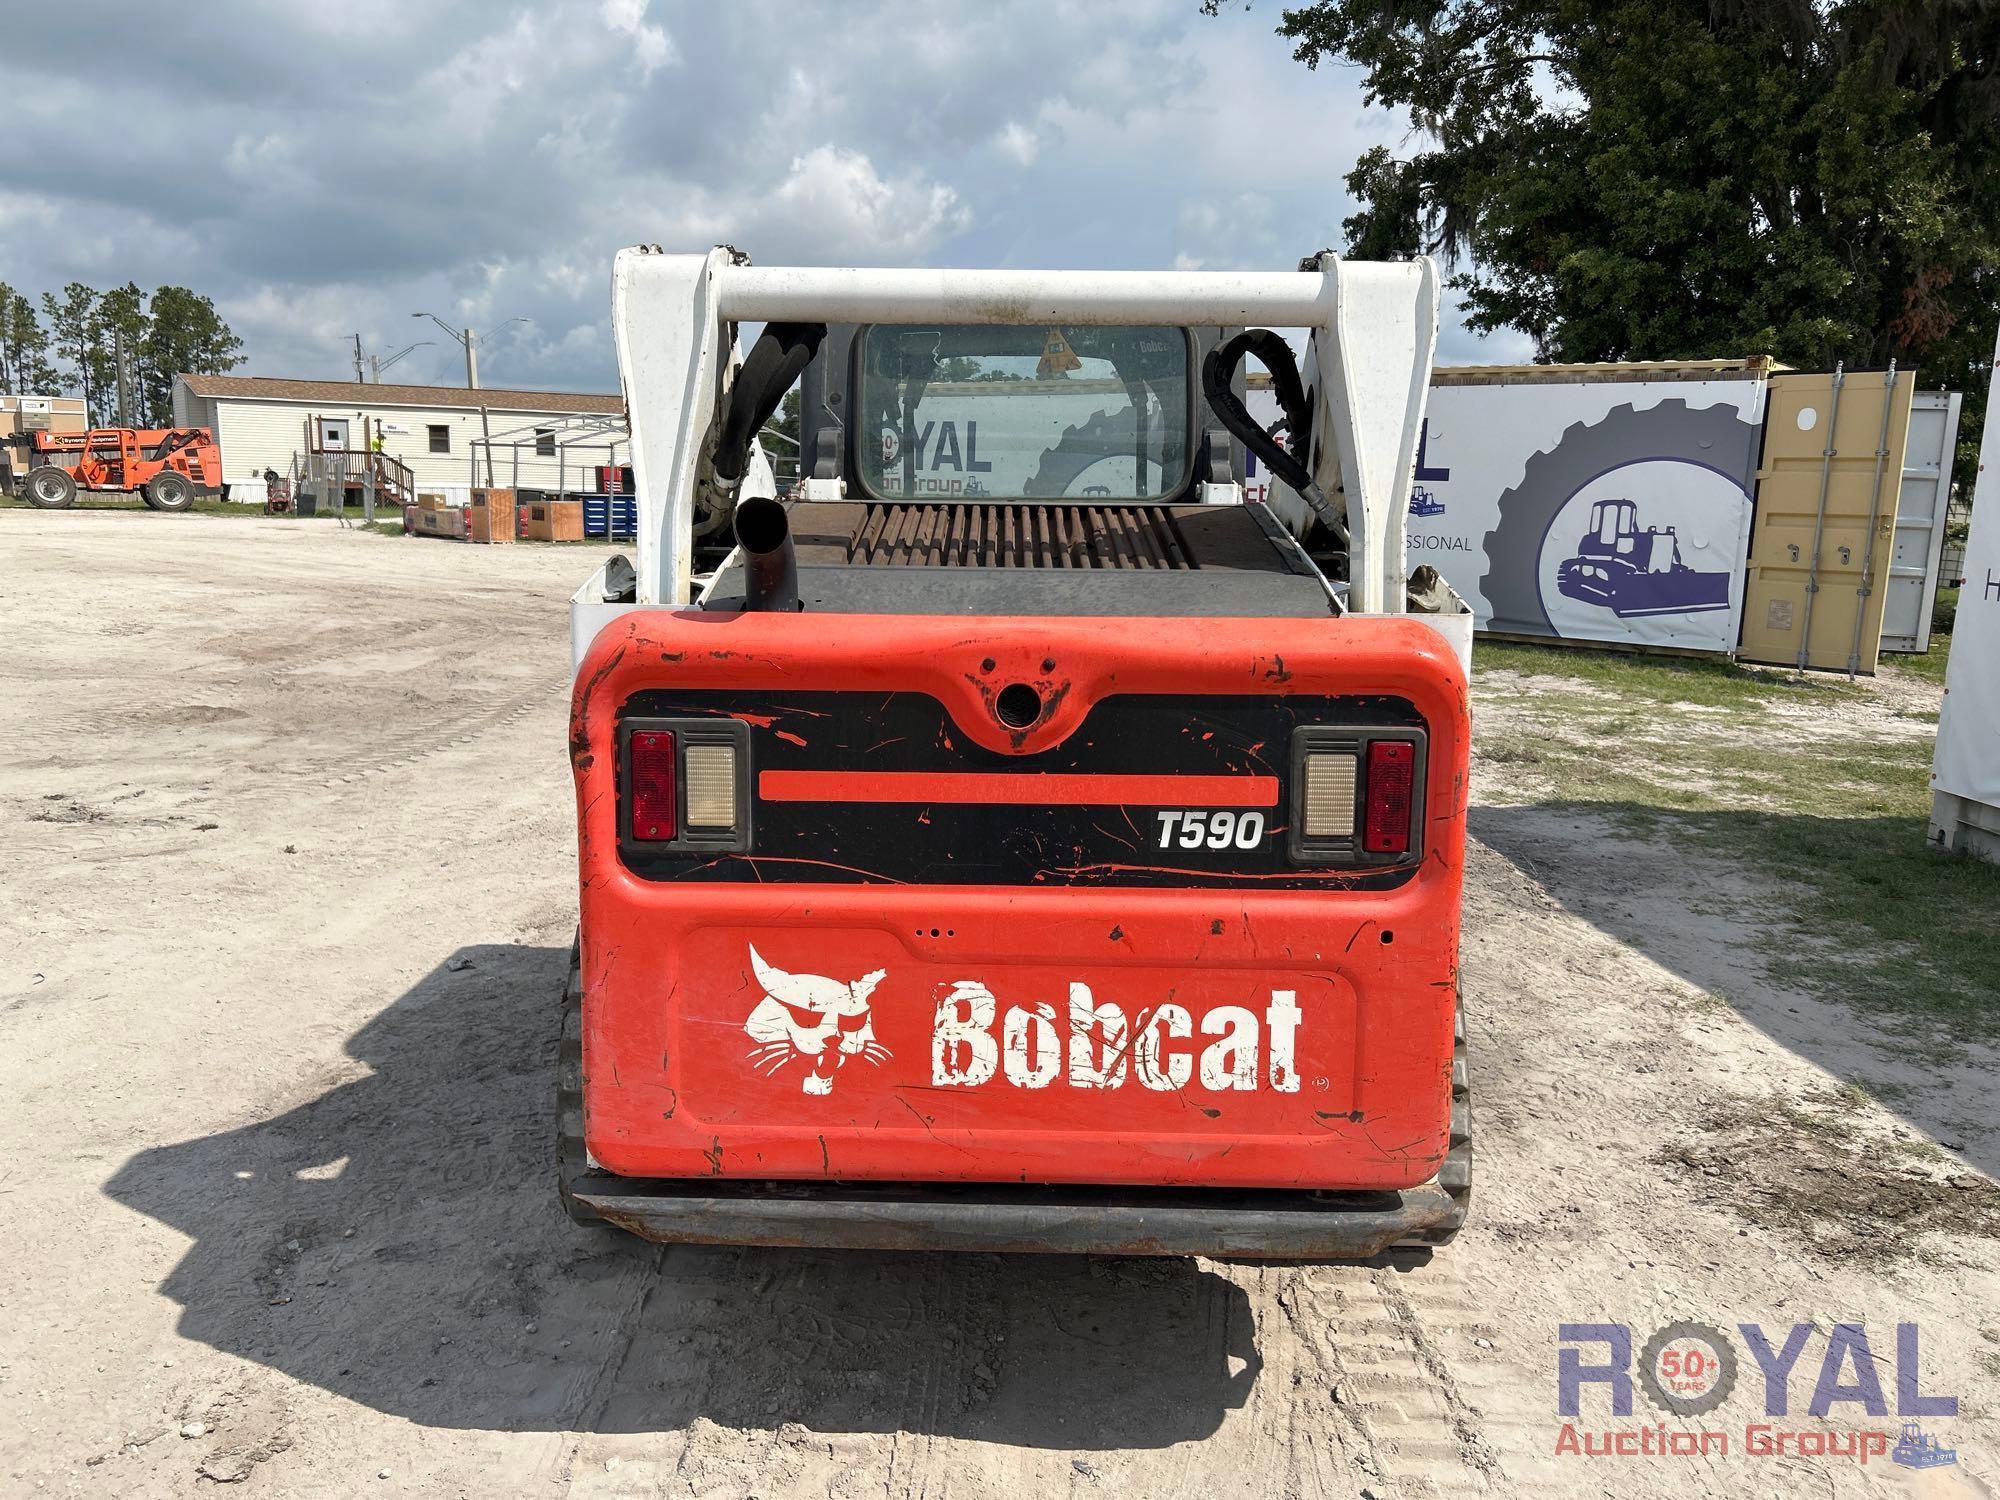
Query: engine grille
[(1019, 535)]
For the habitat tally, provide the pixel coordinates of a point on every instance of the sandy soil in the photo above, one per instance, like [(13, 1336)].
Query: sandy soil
[(285, 898)]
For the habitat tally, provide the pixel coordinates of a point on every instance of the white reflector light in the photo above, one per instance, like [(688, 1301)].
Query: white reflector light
[(711, 786), (1329, 796)]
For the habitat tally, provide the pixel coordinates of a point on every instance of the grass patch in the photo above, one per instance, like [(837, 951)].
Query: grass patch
[(1705, 681), (89, 501), (1932, 663), (1802, 1167), (1944, 613), (1837, 826)]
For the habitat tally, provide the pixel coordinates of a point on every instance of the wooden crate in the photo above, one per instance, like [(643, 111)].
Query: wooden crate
[(555, 521), (448, 522), (490, 517)]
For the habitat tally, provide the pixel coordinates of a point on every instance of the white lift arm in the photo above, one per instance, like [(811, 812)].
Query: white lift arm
[(1372, 328)]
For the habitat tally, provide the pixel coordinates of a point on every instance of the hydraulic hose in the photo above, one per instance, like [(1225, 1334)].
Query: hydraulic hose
[(775, 363), (1219, 369)]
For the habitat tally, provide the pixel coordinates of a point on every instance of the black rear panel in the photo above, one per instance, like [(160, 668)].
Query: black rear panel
[(1015, 843)]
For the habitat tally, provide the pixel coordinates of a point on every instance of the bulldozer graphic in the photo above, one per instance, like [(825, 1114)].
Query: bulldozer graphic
[(1632, 572)]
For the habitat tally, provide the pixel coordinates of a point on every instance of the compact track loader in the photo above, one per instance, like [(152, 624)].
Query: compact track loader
[(1018, 842)]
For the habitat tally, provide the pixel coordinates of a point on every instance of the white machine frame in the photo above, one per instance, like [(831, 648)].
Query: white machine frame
[(1371, 330)]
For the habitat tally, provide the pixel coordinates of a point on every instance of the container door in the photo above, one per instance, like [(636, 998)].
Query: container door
[(1912, 584), (1814, 519)]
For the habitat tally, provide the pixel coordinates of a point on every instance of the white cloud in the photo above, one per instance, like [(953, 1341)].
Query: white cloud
[(652, 48), (855, 211), (1017, 141), (486, 161)]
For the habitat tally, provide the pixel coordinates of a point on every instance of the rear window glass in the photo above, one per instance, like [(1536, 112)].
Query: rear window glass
[(1011, 413)]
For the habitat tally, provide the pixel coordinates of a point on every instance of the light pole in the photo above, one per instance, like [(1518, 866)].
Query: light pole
[(378, 364), (470, 340)]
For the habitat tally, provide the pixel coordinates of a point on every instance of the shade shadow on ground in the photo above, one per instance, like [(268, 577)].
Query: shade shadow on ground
[(397, 1241), (1733, 930)]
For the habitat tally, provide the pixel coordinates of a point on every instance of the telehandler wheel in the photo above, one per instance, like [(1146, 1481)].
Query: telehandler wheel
[(572, 1161), (51, 488), (168, 492)]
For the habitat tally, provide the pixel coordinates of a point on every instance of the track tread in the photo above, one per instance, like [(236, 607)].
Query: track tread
[(572, 1158), (1455, 1173)]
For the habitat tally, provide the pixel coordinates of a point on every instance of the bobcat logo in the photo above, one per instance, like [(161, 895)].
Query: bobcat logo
[(820, 1020)]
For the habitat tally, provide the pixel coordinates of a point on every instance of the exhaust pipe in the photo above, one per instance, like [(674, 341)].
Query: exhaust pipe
[(770, 567)]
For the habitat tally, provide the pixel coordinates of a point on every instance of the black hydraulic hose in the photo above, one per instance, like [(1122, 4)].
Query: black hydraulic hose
[(770, 565), (1219, 369), (776, 361)]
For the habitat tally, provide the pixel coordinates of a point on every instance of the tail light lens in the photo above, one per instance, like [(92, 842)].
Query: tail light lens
[(1329, 801), (1392, 768), (1357, 794), (711, 787), (686, 787), (655, 803)]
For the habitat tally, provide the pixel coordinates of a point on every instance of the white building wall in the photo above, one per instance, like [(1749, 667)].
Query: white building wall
[(254, 436), (191, 410), (258, 434)]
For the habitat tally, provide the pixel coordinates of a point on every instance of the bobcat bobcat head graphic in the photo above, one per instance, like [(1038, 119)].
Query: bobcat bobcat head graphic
[(804, 1016)]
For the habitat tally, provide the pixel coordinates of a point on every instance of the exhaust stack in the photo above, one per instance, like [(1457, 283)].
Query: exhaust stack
[(770, 566)]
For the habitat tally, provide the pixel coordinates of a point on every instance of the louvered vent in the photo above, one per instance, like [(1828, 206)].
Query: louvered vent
[(1019, 535)]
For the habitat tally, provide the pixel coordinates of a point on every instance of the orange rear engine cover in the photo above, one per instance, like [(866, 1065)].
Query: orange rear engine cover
[(944, 944)]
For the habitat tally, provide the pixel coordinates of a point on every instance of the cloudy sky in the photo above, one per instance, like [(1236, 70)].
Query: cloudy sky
[(322, 169)]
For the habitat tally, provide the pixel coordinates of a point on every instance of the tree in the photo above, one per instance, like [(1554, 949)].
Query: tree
[(186, 337), (1660, 179), (174, 332), (784, 425), (24, 347), (73, 335), (120, 320)]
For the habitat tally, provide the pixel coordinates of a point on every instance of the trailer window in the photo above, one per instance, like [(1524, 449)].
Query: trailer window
[(1015, 413), (440, 438)]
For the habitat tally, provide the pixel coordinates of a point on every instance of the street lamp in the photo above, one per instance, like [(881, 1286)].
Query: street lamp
[(378, 364), (470, 340)]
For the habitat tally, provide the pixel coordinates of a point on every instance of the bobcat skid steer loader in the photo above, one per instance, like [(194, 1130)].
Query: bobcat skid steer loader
[(1017, 842)]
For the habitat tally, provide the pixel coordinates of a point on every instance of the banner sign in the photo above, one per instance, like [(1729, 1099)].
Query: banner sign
[(1609, 510)]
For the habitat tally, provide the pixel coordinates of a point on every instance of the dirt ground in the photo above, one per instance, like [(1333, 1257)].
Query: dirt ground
[(286, 889)]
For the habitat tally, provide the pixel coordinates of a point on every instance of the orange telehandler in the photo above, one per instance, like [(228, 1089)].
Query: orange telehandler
[(168, 466)]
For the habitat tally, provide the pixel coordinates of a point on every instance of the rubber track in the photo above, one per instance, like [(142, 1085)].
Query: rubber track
[(1455, 1175), (572, 1161)]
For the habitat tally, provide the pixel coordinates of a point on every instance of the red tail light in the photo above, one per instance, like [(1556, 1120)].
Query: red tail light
[(1392, 768), (655, 804)]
